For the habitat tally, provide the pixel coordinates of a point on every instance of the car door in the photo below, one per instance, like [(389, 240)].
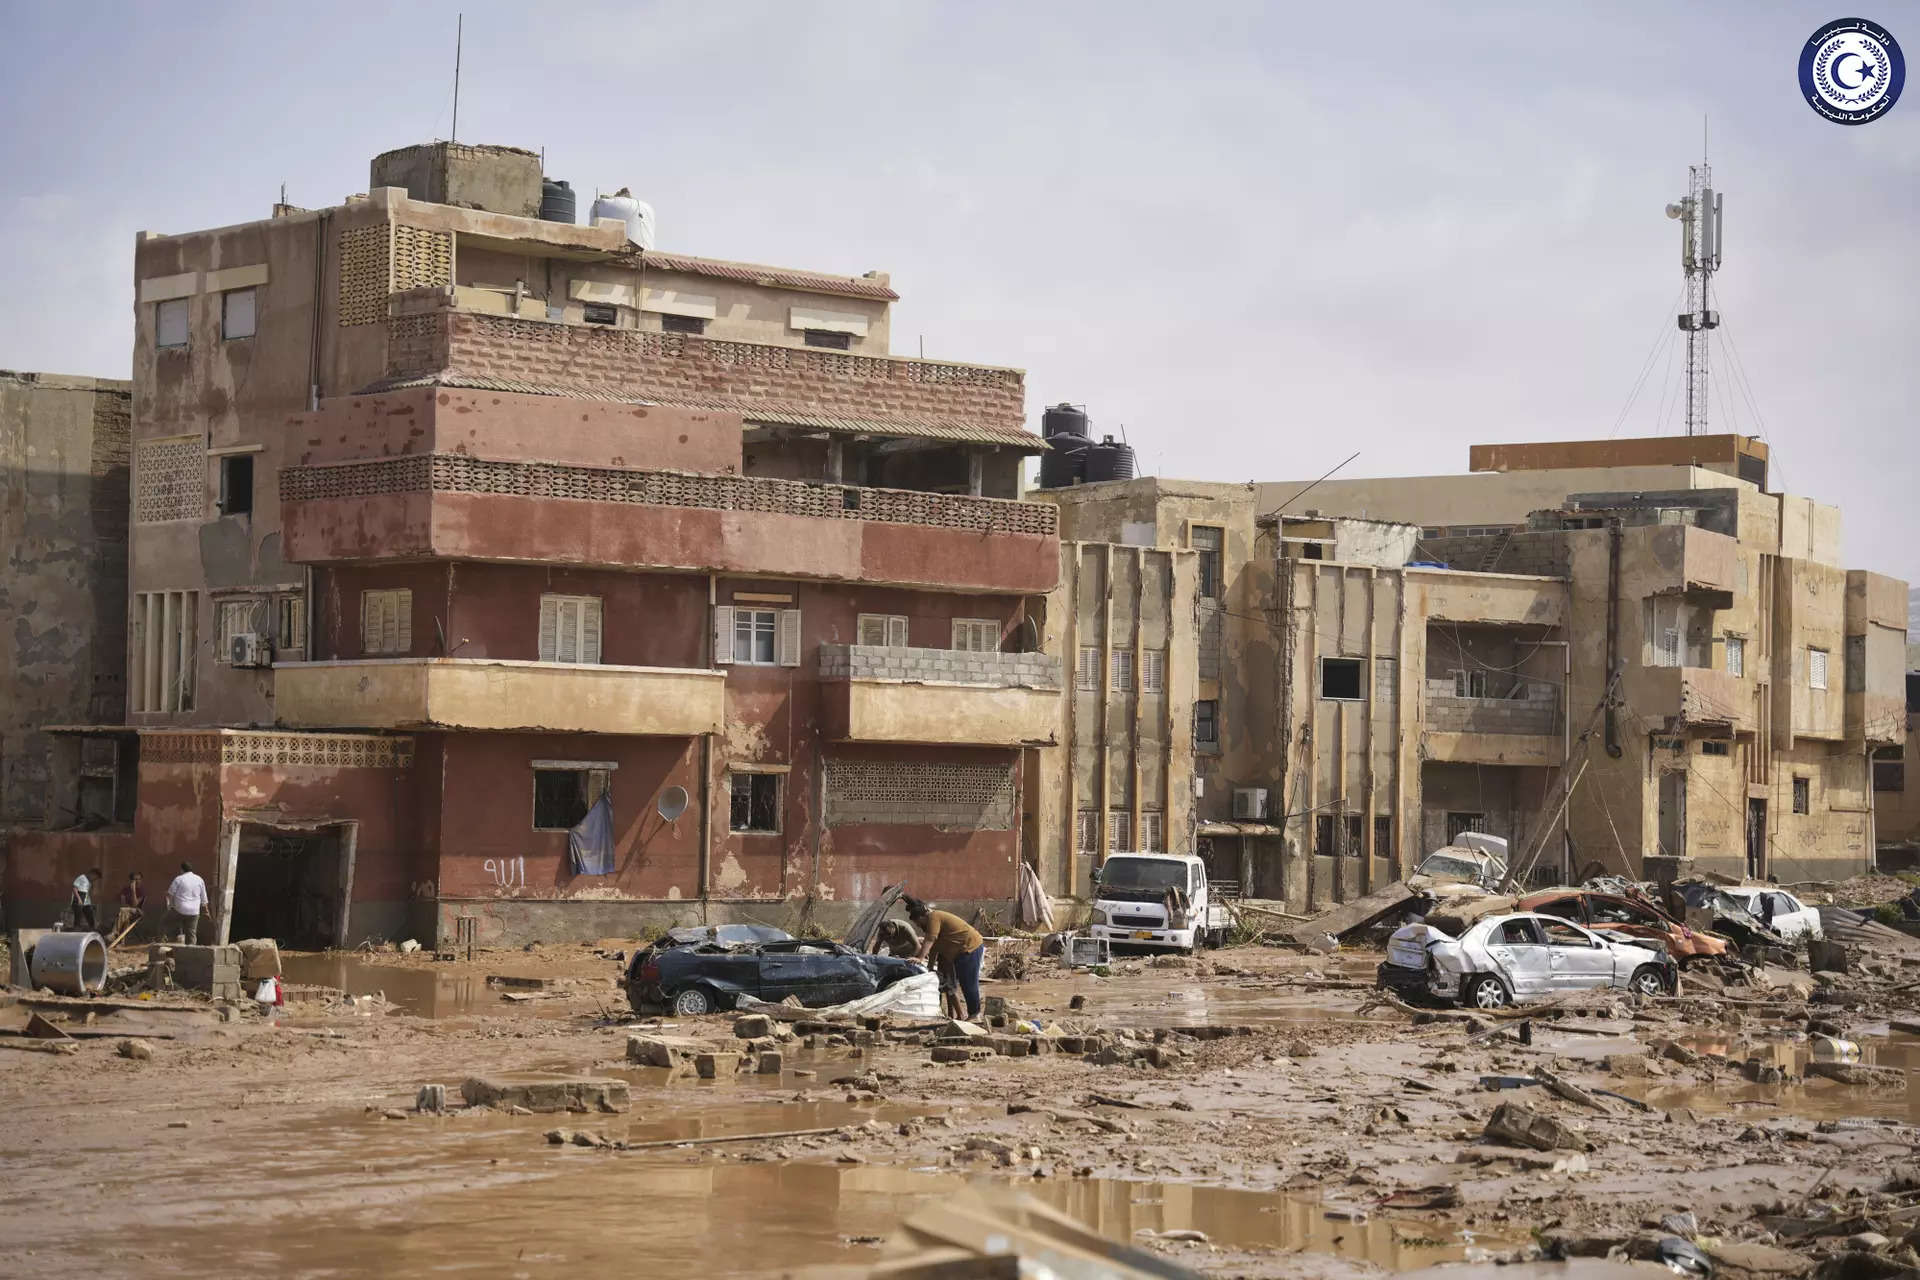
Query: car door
[(1519, 953), (1578, 958), (786, 971), (1790, 918)]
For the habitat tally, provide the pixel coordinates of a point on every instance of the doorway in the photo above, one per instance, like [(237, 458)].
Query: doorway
[(291, 885), (1673, 813), (1756, 838)]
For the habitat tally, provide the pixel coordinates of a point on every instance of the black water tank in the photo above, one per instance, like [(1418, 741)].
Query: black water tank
[(556, 202), (1109, 461), (1065, 464), (1065, 420)]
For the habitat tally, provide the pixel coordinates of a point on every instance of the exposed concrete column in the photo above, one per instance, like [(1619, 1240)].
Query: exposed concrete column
[(976, 472), (227, 860), (1366, 772), (1106, 701), (349, 845), (1070, 663), (1139, 595)]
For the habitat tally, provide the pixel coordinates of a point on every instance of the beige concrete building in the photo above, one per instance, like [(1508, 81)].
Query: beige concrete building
[(1896, 785)]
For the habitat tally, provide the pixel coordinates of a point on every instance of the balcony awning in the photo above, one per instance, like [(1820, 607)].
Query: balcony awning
[(784, 415)]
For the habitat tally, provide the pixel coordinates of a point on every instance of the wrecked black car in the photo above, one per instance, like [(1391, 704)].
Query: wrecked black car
[(1729, 916), (704, 969)]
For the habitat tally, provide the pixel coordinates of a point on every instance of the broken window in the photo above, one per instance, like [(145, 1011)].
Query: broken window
[(755, 802), (1356, 835), (1206, 724), (830, 339), (1207, 540), (172, 322), (1323, 836), (683, 324), (236, 484), (562, 793), (237, 315), (1340, 679)]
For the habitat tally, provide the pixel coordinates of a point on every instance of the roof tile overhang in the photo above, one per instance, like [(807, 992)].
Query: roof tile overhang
[(780, 277)]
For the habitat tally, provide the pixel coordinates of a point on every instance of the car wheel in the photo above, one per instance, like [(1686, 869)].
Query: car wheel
[(693, 1002), (1218, 940), (1646, 981), (1487, 992)]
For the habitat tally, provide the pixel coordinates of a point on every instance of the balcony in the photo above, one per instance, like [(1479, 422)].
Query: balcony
[(449, 506), (1689, 696), (1509, 731), (493, 694), (939, 696), (1697, 564)]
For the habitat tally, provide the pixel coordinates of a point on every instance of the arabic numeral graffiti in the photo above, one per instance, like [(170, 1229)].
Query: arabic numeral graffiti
[(507, 873)]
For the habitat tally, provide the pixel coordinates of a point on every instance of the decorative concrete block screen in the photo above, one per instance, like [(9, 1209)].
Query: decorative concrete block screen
[(170, 480), (964, 797), (421, 258), (364, 275)]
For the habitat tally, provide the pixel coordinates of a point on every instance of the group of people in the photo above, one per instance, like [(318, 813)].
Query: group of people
[(951, 946), (186, 900)]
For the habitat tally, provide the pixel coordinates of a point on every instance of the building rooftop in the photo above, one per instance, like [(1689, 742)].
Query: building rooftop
[(872, 285)]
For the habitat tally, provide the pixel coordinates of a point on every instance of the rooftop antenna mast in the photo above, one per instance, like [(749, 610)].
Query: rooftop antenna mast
[(1700, 216), (459, 33)]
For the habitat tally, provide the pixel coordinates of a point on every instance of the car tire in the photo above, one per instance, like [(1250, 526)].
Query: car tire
[(692, 1002), (1217, 939), (1486, 992), (1647, 981)]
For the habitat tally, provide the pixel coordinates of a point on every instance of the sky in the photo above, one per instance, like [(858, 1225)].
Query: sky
[(1252, 238)]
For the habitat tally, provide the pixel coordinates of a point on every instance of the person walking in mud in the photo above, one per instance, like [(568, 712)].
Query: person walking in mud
[(950, 941), (186, 899)]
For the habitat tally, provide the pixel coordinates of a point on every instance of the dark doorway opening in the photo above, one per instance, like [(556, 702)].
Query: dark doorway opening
[(1756, 838), (288, 885)]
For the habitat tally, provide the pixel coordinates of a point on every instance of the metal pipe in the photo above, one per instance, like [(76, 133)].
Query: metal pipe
[(69, 964)]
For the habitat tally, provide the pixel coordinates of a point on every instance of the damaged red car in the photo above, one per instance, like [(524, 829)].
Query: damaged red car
[(1630, 917)]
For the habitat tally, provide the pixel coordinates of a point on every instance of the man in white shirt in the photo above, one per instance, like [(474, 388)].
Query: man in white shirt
[(186, 899), (81, 903)]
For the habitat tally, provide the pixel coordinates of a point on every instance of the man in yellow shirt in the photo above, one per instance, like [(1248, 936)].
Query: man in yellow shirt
[(951, 941)]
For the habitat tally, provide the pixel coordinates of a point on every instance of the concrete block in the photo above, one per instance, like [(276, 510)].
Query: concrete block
[(712, 1066), (770, 1063), (557, 1093), (201, 968), (752, 1026), (662, 1051), (959, 1053)]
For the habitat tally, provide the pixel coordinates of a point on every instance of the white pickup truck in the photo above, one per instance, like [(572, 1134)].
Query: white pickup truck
[(1158, 900)]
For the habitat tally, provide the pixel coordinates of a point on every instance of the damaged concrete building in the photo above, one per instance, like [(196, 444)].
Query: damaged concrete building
[(495, 567)]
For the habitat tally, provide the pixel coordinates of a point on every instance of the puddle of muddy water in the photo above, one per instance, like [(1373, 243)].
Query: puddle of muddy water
[(1813, 1097), (416, 991)]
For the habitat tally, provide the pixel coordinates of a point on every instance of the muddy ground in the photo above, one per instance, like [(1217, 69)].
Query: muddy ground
[(1330, 1134)]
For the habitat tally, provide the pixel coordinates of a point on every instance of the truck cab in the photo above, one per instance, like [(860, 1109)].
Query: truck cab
[(1157, 900)]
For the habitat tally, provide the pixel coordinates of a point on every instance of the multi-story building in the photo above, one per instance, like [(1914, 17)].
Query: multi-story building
[(450, 522), (1896, 784)]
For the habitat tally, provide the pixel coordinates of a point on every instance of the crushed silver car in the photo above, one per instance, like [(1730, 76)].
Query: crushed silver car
[(1512, 958)]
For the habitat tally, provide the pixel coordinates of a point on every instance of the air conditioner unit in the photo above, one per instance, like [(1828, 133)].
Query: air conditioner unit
[(1249, 804), (250, 649)]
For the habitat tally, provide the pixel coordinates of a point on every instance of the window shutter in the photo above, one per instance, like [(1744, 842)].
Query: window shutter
[(897, 632), (569, 648), (402, 614), (369, 624), (549, 629), (590, 630), (789, 638), (874, 628), (722, 634)]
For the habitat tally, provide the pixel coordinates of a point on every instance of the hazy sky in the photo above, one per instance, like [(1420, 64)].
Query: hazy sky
[(1258, 237)]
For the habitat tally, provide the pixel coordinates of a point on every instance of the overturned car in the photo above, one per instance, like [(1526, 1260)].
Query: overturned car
[(1502, 958), (707, 968)]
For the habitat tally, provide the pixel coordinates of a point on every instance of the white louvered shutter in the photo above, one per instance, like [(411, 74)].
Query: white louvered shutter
[(722, 634), (549, 628), (874, 628), (590, 630), (400, 606), (897, 631), (789, 637), (569, 650)]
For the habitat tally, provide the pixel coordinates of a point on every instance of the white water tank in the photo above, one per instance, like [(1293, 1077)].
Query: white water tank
[(636, 214)]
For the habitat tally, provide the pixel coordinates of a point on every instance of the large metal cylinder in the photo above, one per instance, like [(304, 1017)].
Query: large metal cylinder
[(70, 964)]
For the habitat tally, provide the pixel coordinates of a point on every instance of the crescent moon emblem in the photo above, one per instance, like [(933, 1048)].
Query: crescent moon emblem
[(1841, 62)]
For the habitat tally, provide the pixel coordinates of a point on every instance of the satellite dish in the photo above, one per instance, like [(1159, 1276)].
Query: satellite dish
[(1674, 211), (672, 803)]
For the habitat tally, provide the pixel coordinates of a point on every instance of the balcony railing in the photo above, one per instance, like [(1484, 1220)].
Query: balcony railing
[(939, 666), (1447, 713)]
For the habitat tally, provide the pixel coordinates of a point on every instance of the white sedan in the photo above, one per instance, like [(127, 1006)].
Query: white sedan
[(1509, 959), (1777, 909)]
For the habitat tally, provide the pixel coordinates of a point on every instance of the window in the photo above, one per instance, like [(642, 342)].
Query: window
[(1207, 540), (1356, 832), (1661, 620), (290, 622), (1889, 770), (1087, 830), (1087, 676), (1323, 835), (1153, 831), (1469, 684), (755, 802), (976, 635), (237, 317), (1816, 668), (1120, 664), (683, 324), (883, 630), (164, 627), (1520, 933), (1340, 679), (1713, 748), (171, 322), (756, 637), (1153, 671), (1119, 829), (1736, 656), (234, 618), (1802, 795), (1565, 935), (386, 622), (236, 484), (570, 629), (1383, 835), (1206, 724), (563, 791), (828, 338), (600, 313), (1458, 822)]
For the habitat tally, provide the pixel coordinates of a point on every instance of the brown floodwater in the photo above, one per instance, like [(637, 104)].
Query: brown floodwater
[(1812, 1097)]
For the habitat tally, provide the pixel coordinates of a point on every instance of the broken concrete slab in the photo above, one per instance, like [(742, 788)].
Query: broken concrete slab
[(752, 1026), (1356, 914), (1524, 1127), (663, 1051), (713, 1065), (259, 958), (559, 1093)]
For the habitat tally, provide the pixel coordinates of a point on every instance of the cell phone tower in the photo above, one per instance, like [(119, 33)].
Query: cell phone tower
[(1700, 216)]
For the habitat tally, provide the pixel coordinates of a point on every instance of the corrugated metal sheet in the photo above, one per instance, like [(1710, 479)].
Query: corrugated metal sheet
[(784, 277), (959, 432)]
